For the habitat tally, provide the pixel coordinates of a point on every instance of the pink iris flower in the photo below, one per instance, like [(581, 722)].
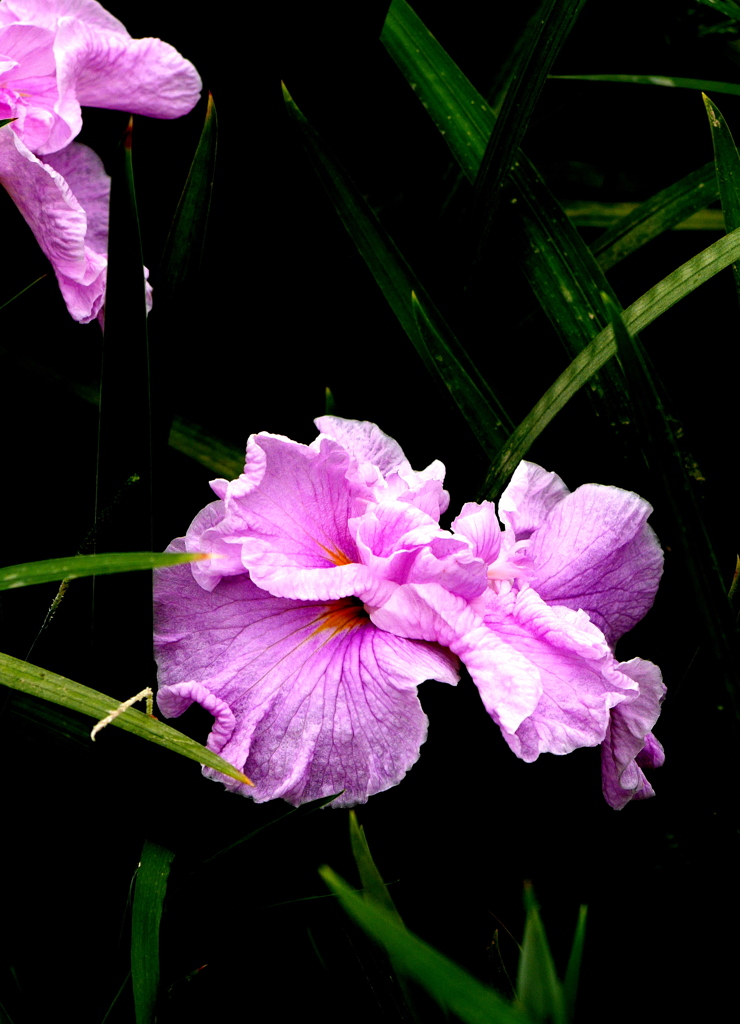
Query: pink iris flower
[(56, 56), (333, 592)]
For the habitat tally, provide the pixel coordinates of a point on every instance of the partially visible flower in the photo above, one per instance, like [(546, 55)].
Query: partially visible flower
[(273, 637), (569, 575), (56, 56)]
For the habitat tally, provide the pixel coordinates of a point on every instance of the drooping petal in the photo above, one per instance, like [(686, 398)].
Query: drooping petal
[(100, 68), (629, 746), (580, 678), (58, 222), (310, 699), (509, 684), (529, 497), (595, 551)]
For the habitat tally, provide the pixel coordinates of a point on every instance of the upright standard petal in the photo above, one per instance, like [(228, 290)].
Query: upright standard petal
[(310, 698), (595, 551)]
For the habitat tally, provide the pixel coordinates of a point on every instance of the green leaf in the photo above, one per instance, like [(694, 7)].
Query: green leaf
[(676, 497), (374, 887), (661, 212), (728, 171), (124, 441), (441, 352), (183, 251), (572, 973), (23, 290), (450, 985), (458, 110), (562, 272), (28, 573), (699, 84), (728, 7), (21, 675), (538, 988), (7, 120), (486, 418), (644, 311), (543, 39), (146, 915)]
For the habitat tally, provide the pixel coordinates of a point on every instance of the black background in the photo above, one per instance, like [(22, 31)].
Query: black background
[(287, 308)]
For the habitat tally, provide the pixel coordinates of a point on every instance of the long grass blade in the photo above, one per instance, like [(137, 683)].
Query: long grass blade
[(637, 317), (727, 163), (663, 211), (28, 573), (441, 352), (449, 984), (698, 84), (146, 916), (21, 675), (543, 39)]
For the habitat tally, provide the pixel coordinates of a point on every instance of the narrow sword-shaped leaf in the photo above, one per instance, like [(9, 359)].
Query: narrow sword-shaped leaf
[(441, 352), (372, 881), (22, 291), (537, 986), (146, 915), (699, 84), (562, 272), (28, 573), (727, 163), (543, 39), (677, 498), (661, 212), (449, 984), (728, 7), (643, 311), (21, 675), (573, 970)]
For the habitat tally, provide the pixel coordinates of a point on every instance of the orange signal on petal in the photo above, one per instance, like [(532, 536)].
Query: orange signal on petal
[(341, 615), (335, 555)]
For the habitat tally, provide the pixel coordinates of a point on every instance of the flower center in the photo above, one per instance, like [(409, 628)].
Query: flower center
[(341, 616)]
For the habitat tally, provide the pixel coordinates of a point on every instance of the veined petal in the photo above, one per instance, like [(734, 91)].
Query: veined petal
[(529, 497), (629, 746), (322, 701), (294, 517), (595, 551), (58, 222), (478, 523), (100, 68), (48, 12), (509, 684), (379, 465), (580, 678)]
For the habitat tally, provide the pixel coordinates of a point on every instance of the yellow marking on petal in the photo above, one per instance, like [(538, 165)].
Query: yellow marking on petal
[(335, 555), (341, 615)]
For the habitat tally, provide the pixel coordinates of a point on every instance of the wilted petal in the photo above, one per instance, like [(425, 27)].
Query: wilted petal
[(322, 701), (530, 496), (595, 551), (629, 746), (57, 220)]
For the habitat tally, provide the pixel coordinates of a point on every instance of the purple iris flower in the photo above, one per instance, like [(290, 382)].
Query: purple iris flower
[(56, 56), (333, 592), (273, 637)]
